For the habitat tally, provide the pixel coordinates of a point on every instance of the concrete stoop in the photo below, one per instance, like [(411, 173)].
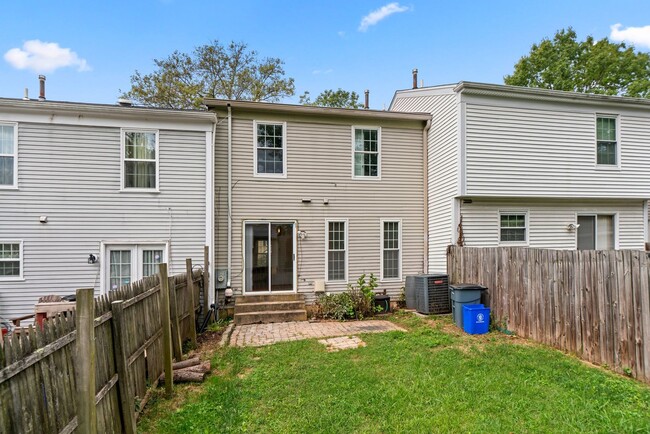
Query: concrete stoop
[(270, 308)]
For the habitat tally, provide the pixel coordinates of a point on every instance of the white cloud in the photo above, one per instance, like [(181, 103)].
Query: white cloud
[(341, 34), (639, 36), (322, 71), (44, 57), (383, 12)]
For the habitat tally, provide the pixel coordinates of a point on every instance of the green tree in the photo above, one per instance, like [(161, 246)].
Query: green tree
[(333, 98), (211, 71), (589, 66)]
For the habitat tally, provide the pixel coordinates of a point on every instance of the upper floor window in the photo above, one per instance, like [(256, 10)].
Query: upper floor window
[(11, 259), (606, 141), (8, 155), (140, 160), (366, 152), (513, 228), (270, 149)]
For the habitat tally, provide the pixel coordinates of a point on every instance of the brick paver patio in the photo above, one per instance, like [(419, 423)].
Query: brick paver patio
[(256, 335)]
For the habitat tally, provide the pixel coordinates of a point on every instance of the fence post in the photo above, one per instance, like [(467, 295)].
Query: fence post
[(166, 328), (123, 385), (85, 313), (190, 290), (206, 279), (173, 313)]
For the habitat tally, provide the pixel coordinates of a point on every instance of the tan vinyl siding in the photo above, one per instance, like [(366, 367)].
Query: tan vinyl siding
[(549, 151), (548, 221), (443, 168), (319, 167), (71, 174)]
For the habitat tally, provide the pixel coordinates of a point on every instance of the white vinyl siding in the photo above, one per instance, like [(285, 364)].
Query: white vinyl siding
[(140, 160), (391, 250), (336, 259), (549, 221), (270, 149), (537, 149), (11, 259), (8, 156), (366, 152), (443, 167), (71, 173), (320, 168)]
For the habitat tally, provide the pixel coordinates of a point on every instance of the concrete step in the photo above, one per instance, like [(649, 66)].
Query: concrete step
[(268, 306), (243, 299), (269, 317)]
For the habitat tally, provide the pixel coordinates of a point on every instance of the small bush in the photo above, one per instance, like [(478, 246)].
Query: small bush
[(356, 303)]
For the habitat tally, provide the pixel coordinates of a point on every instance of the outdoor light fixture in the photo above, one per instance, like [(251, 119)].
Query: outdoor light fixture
[(92, 259), (572, 227)]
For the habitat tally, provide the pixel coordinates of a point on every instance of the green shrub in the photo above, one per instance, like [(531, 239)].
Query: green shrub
[(356, 303)]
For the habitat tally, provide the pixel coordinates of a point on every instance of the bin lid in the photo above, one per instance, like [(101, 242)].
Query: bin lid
[(467, 287), (381, 297)]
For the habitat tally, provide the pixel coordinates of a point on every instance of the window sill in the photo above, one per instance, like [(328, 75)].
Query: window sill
[(139, 190), (269, 177), (608, 168), (391, 279), (366, 178), (513, 244), (9, 188), (12, 279)]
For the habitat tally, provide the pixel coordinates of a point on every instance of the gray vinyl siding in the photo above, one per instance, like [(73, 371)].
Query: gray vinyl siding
[(319, 166), (443, 168), (71, 174), (536, 149), (548, 221)]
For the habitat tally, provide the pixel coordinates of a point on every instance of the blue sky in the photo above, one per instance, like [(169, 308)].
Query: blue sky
[(94, 47)]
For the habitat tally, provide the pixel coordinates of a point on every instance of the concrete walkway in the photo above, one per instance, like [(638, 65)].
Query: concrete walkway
[(256, 335)]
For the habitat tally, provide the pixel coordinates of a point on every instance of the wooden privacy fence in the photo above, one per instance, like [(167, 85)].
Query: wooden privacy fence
[(88, 371), (594, 303)]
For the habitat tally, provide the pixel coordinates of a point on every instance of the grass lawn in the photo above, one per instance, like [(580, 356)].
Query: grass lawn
[(431, 379)]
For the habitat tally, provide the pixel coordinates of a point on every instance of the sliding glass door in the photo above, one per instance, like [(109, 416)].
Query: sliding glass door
[(269, 257)]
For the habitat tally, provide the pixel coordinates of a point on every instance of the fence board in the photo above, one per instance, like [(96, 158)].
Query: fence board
[(595, 304)]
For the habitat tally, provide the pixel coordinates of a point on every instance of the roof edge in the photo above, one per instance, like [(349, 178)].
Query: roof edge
[(315, 110)]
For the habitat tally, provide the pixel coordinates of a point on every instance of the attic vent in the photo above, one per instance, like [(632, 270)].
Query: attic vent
[(124, 102)]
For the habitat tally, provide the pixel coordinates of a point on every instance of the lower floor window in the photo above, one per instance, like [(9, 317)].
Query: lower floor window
[(512, 227), (128, 263), (10, 259), (391, 252), (596, 232)]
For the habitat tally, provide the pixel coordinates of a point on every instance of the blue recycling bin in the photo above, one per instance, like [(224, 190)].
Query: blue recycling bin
[(476, 319)]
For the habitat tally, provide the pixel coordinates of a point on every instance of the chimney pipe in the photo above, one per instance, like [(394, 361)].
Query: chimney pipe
[(415, 78), (26, 97), (41, 96), (366, 104)]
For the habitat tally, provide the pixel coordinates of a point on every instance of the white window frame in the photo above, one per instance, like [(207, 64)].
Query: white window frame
[(379, 146), (526, 227), (13, 186), (595, 214), (381, 249), (20, 246), (346, 250), (282, 175), (618, 142), (123, 159), (136, 248)]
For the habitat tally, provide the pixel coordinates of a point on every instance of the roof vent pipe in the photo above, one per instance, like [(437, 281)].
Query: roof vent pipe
[(41, 96), (26, 97), (366, 104), (415, 78)]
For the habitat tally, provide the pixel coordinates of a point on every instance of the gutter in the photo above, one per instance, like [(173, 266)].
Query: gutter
[(228, 282), (425, 167)]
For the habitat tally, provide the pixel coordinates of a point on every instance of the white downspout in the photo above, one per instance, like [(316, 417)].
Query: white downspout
[(425, 165), (210, 178), (228, 283)]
